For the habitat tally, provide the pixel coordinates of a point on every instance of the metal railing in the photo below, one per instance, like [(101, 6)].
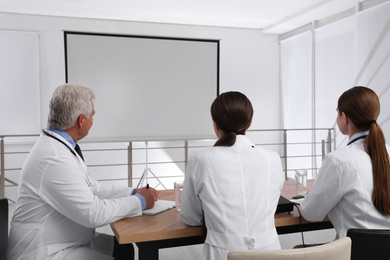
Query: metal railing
[(2, 163), (326, 145), (281, 143)]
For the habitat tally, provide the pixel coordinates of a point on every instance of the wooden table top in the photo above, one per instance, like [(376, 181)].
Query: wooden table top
[(165, 225), (168, 224)]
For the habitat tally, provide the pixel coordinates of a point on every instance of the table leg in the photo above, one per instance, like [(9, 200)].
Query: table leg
[(147, 251)]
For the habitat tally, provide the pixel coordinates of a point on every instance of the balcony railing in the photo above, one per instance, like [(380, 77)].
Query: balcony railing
[(125, 162)]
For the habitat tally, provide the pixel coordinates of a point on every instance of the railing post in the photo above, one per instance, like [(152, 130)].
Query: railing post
[(186, 153), (285, 154), (130, 165), (323, 149), (329, 143), (2, 175)]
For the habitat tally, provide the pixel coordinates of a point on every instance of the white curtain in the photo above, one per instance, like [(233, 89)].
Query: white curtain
[(373, 57), (19, 83), (334, 71), (296, 82), (296, 66), (350, 52)]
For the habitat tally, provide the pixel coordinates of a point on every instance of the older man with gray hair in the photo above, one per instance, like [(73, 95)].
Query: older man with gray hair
[(59, 205)]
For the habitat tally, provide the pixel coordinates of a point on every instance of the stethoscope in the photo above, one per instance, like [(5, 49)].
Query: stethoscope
[(357, 138), (89, 183), (59, 140)]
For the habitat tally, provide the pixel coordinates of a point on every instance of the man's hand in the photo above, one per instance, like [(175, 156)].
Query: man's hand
[(150, 195)]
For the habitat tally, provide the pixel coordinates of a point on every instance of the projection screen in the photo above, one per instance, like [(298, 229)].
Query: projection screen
[(146, 87)]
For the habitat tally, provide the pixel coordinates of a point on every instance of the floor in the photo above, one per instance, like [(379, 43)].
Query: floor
[(195, 252)]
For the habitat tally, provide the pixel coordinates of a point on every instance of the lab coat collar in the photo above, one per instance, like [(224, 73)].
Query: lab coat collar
[(357, 136), (243, 140), (65, 135)]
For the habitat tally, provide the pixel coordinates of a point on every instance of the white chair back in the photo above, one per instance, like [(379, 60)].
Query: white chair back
[(337, 250)]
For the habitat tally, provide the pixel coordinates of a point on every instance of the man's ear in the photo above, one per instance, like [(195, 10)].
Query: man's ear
[(80, 120)]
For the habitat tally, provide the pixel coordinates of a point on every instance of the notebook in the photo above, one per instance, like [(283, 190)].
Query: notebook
[(159, 206)]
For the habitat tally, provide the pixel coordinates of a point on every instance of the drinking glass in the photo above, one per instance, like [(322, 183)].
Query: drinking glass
[(178, 185), (301, 181)]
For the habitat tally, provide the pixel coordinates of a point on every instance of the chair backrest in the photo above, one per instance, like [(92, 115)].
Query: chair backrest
[(3, 227), (337, 250), (369, 243)]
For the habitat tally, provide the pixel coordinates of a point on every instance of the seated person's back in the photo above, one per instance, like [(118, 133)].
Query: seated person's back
[(234, 185)]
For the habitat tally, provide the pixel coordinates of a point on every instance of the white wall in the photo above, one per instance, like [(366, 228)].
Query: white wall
[(249, 60)]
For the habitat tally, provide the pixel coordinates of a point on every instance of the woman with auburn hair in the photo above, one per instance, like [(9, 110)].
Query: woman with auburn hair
[(353, 186), (234, 187)]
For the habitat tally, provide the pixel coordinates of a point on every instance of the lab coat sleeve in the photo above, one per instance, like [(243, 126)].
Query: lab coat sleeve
[(66, 187), (108, 191), (325, 193), (191, 204)]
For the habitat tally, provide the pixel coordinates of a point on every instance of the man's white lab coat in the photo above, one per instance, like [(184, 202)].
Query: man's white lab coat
[(60, 205), (343, 191), (236, 190)]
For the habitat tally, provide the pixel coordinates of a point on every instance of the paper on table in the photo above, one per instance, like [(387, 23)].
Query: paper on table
[(159, 206)]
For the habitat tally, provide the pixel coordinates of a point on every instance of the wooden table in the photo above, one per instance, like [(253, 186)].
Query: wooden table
[(166, 229), (286, 223)]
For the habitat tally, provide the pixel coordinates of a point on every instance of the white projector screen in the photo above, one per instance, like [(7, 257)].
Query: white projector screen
[(146, 88)]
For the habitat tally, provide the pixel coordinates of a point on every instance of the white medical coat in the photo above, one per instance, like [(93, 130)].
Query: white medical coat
[(59, 206), (343, 191), (236, 190)]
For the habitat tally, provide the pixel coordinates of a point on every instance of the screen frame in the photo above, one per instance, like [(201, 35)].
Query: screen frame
[(217, 42)]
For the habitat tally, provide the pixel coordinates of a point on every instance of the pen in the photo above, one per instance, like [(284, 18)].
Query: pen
[(147, 186)]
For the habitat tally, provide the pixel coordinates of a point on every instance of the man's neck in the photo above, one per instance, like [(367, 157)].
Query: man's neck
[(73, 133), (64, 135)]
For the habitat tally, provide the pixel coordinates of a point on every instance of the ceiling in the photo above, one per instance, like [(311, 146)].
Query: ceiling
[(270, 16)]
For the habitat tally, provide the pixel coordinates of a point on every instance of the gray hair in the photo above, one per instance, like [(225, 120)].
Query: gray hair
[(68, 102)]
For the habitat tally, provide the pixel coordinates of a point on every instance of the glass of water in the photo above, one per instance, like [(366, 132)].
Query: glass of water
[(301, 181), (178, 185)]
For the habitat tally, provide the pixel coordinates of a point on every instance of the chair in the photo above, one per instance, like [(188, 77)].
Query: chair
[(337, 250), (3, 227), (369, 243)]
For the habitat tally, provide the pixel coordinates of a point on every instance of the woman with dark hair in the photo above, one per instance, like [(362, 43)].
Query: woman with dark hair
[(234, 187), (353, 186)]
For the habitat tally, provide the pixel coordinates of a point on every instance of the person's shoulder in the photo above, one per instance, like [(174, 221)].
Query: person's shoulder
[(264, 150), (268, 152), (211, 155), (347, 155), (338, 155), (54, 150), (201, 154)]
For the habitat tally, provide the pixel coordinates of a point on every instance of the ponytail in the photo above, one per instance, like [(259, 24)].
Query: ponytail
[(229, 138), (226, 140), (376, 149)]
